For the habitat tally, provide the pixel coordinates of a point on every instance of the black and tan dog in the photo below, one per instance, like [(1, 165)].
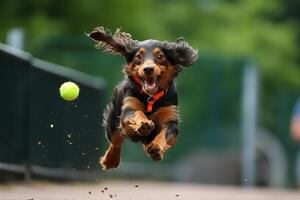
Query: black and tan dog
[(144, 104)]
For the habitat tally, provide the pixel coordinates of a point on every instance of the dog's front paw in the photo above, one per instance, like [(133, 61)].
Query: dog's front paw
[(155, 151), (144, 127), (140, 127)]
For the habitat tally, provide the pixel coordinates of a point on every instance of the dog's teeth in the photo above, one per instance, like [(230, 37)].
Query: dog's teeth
[(150, 86)]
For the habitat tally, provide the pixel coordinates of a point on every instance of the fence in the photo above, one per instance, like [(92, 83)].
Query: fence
[(40, 133)]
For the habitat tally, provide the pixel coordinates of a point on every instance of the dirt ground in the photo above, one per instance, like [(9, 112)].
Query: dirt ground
[(137, 190)]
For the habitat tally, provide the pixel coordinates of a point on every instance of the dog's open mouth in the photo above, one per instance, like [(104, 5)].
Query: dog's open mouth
[(150, 84)]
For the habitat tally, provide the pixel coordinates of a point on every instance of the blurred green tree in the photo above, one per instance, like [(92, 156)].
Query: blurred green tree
[(262, 30)]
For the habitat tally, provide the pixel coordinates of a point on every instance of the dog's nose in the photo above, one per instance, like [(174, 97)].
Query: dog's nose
[(148, 70)]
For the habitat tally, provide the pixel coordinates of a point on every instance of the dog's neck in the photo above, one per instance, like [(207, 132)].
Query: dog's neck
[(152, 98)]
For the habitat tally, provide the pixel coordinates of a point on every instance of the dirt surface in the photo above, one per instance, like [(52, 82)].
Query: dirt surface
[(137, 190)]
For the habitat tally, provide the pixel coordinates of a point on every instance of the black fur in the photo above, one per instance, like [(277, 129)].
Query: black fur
[(117, 43), (113, 113), (172, 131), (179, 52)]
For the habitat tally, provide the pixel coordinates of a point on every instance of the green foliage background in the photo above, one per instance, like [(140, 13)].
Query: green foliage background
[(266, 31)]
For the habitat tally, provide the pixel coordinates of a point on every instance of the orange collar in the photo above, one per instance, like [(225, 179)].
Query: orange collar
[(152, 98)]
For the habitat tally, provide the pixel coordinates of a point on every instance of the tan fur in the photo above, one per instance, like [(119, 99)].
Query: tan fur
[(112, 156), (158, 146), (165, 68), (164, 115), (133, 124), (134, 103)]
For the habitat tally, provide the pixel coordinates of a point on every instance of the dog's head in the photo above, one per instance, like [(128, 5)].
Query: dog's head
[(152, 63)]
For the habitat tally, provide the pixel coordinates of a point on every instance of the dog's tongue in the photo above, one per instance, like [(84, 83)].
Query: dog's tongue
[(150, 84)]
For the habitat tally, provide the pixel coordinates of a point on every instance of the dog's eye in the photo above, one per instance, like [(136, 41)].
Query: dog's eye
[(160, 58), (138, 59)]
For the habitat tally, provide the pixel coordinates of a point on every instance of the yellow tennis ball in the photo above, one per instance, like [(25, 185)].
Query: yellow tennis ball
[(69, 91)]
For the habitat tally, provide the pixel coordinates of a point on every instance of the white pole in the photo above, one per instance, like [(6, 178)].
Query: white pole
[(249, 123), (15, 38)]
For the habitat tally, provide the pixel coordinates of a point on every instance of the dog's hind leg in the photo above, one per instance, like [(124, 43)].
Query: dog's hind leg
[(112, 156)]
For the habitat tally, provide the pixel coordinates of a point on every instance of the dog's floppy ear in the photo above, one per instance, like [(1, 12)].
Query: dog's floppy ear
[(181, 52), (117, 43)]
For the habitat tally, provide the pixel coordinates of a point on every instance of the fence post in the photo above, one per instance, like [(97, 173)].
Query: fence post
[(250, 98), (15, 38)]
